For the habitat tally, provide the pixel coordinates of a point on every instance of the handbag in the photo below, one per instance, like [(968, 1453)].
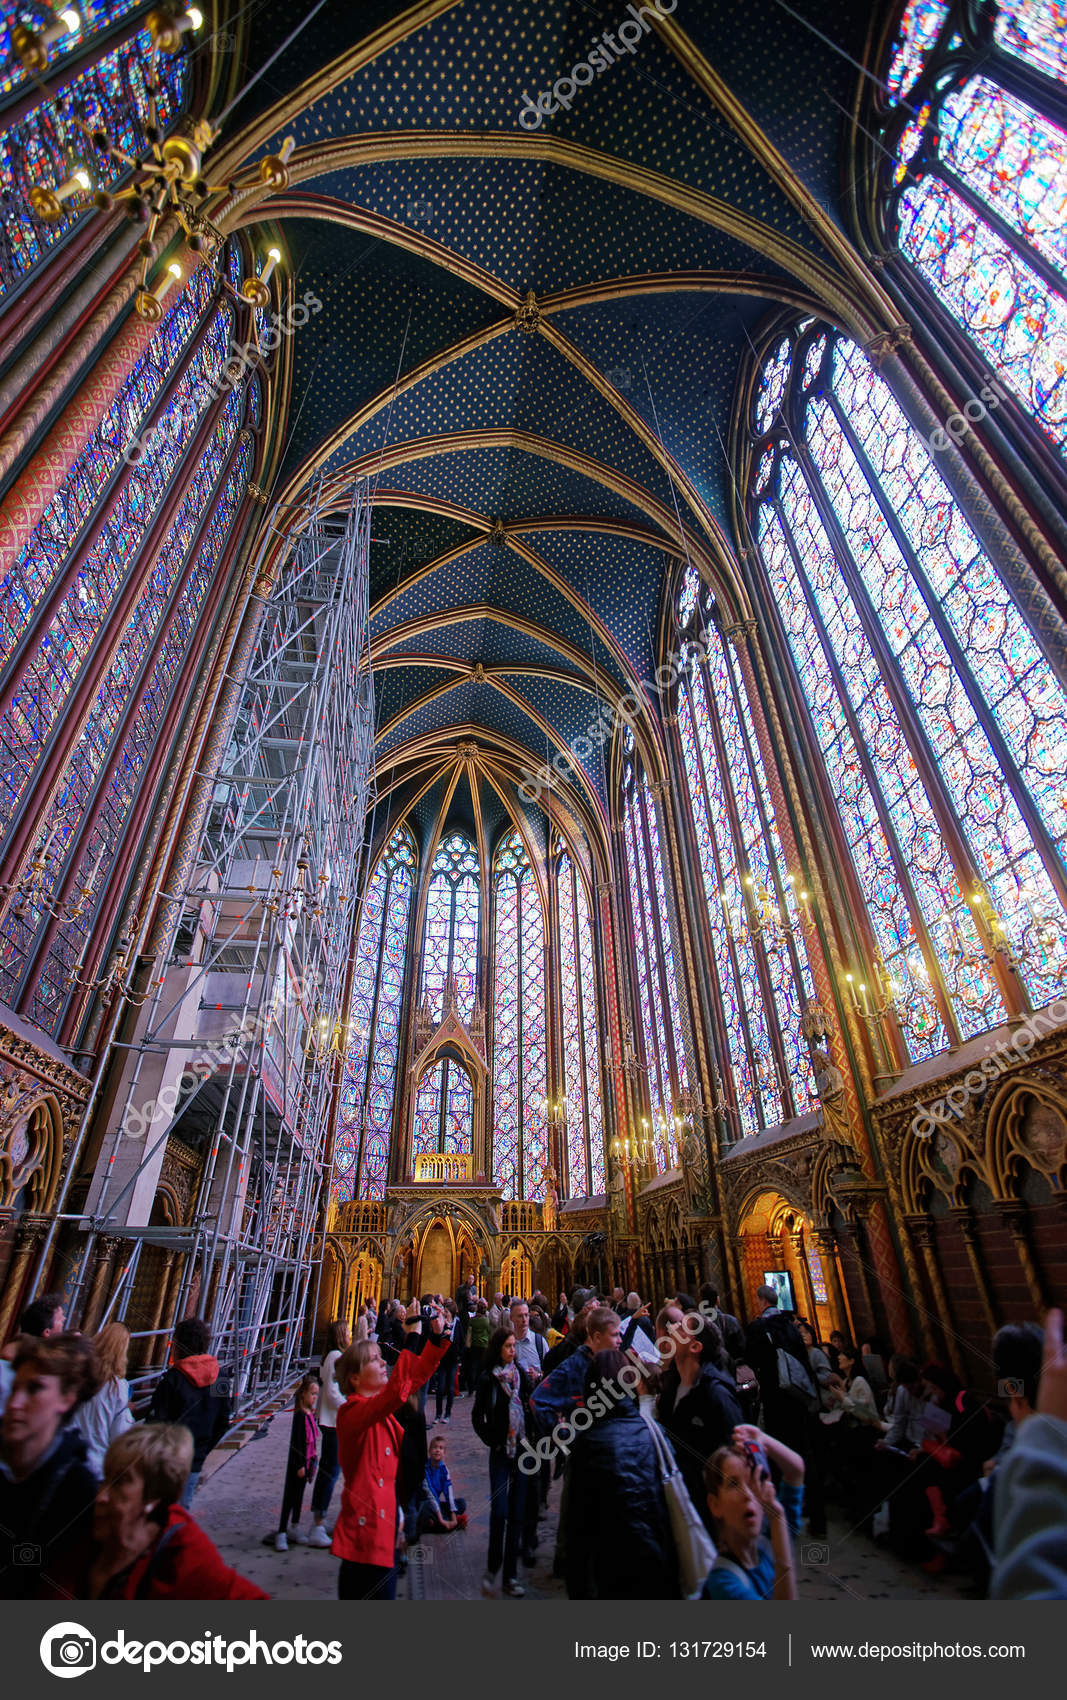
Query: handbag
[(693, 1545)]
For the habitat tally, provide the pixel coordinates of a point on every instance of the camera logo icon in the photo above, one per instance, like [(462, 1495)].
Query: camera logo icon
[(1010, 1388), (815, 1552), (68, 1650)]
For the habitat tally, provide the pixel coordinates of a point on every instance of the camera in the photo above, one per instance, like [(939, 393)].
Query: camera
[(757, 1459), (427, 1313), (27, 1553), (74, 1651)]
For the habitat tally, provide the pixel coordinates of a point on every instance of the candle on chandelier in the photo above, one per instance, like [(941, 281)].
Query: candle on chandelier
[(77, 183), (170, 277), (273, 256), (67, 22)]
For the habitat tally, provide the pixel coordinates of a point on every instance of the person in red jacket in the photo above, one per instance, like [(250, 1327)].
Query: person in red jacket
[(368, 1443), (144, 1545)]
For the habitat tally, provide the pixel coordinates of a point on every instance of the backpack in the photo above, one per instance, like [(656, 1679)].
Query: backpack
[(795, 1380)]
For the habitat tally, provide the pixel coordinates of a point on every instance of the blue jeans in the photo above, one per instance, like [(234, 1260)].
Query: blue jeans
[(326, 1475), (507, 1499), (189, 1489)]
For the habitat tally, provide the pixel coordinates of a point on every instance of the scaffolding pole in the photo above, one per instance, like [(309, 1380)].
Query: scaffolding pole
[(257, 976)]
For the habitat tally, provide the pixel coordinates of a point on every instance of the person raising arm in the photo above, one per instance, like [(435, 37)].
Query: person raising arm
[(753, 1523)]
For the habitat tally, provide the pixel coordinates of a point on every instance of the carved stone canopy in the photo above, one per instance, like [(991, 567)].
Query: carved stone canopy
[(468, 1040)]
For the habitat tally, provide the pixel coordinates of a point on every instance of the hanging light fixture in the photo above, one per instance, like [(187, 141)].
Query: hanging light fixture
[(167, 180)]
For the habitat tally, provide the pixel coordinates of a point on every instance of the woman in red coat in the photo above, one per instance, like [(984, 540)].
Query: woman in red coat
[(368, 1444)]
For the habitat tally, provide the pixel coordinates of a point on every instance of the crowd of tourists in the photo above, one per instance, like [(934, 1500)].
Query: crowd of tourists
[(691, 1455)]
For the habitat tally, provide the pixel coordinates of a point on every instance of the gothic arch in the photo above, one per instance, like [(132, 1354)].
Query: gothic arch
[(31, 1148)]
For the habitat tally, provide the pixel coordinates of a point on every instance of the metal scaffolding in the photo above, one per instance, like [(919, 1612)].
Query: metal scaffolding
[(235, 1056)]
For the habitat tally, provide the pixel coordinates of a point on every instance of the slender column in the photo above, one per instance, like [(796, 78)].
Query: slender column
[(886, 1269), (42, 616), (45, 471), (142, 1350), (860, 1253), (826, 1245), (29, 1237), (68, 729), (1016, 1221), (923, 1233), (165, 730), (968, 1230), (104, 1251)]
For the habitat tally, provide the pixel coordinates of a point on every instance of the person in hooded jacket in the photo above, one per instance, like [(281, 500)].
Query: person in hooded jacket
[(187, 1394), (698, 1406), (141, 1544), (618, 1543), (46, 1485)]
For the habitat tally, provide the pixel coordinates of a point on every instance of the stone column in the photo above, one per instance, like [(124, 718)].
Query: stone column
[(103, 1261), (1016, 1220), (826, 1246), (968, 1230), (27, 1242), (922, 1232), (854, 1230)]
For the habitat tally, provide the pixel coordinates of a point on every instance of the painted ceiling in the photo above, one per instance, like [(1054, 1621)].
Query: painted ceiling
[(532, 339)]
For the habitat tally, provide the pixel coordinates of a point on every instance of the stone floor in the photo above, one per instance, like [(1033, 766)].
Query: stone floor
[(240, 1498)]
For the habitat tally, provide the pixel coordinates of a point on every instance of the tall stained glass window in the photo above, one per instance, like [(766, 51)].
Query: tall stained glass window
[(580, 1055), (51, 142), (657, 986), (99, 580), (754, 903), (450, 941), (520, 1058), (444, 1099), (941, 724), (368, 1083), (976, 138)]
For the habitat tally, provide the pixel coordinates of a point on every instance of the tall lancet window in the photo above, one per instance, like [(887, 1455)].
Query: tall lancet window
[(109, 590), (444, 1099), (941, 723), (520, 1060), (657, 985), (50, 143), (583, 1107), (755, 907), (976, 139), (368, 1085)]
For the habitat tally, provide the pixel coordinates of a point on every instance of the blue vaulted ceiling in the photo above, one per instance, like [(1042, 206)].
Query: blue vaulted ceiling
[(539, 478)]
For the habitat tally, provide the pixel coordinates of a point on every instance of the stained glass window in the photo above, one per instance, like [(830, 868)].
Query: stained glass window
[(92, 16), (942, 725), (54, 140), (978, 191), (151, 656), (753, 900), (444, 1099), (583, 1109), (108, 560), (520, 1058), (368, 1082), (657, 988), (64, 519), (450, 941)]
